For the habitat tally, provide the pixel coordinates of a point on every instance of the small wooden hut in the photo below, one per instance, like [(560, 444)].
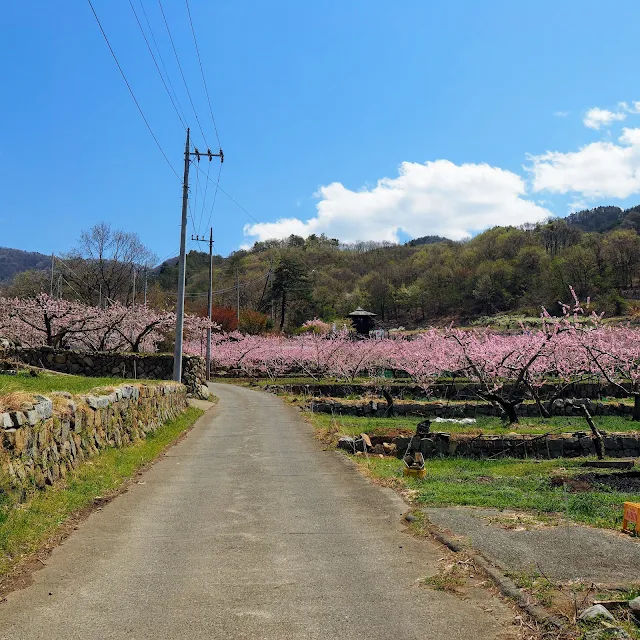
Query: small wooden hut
[(363, 321)]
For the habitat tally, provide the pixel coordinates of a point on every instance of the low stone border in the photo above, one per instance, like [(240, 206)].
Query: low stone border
[(41, 443), (375, 409), (564, 445), (460, 390)]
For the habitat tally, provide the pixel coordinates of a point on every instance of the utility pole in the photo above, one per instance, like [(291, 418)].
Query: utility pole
[(145, 287), (133, 299), (182, 268), (52, 265), (177, 354), (209, 296)]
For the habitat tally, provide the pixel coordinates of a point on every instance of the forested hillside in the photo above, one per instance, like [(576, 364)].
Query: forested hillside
[(13, 261), (428, 280), (504, 269)]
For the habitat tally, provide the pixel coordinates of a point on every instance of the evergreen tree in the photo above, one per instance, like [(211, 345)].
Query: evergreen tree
[(290, 284)]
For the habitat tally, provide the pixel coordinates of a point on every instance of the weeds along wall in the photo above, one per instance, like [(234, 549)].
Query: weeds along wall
[(141, 366), (43, 441)]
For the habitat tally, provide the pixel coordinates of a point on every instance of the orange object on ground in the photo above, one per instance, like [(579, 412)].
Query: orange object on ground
[(415, 473), (631, 515)]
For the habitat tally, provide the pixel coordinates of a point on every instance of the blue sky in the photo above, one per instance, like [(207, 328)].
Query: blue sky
[(362, 119)]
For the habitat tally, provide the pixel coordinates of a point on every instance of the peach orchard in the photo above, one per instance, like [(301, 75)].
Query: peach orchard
[(506, 368)]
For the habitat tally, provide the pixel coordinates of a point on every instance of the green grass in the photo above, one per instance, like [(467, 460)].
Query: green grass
[(47, 382), (24, 527), (351, 425), (506, 484), (400, 381)]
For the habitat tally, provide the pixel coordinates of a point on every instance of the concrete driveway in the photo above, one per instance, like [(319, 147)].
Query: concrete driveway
[(247, 529)]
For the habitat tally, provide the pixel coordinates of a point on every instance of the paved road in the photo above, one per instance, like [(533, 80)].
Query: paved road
[(564, 552), (247, 529)]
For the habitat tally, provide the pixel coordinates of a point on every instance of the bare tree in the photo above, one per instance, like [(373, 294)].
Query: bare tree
[(103, 264)]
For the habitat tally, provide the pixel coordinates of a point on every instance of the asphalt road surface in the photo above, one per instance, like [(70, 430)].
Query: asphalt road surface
[(248, 529)]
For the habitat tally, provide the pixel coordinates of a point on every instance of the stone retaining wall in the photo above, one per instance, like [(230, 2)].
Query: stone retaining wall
[(142, 366), (568, 445), (41, 443), (462, 390), (376, 409)]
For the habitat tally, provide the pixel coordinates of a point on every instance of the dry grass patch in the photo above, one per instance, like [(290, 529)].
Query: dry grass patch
[(451, 577), (15, 400)]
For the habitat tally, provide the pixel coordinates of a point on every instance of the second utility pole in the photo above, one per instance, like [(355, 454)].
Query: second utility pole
[(209, 296)]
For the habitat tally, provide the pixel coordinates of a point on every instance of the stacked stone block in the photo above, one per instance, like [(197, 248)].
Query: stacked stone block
[(41, 443)]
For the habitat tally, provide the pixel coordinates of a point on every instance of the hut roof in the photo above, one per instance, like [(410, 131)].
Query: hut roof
[(361, 312)]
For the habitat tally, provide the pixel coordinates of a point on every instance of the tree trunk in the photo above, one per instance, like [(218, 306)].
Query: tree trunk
[(544, 412), (389, 399), (284, 304), (510, 409), (597, 436), (636, 407)]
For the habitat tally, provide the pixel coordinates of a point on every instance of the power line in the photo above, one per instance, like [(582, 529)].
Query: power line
[(71, 287), (204, 200), (91, 287), (215, 196), (173, 254), (131, 90), (218, 187), (194, 209), (166, 72), (195, 41), (193, 222), (195, 113), (144, 35), (233, 288)]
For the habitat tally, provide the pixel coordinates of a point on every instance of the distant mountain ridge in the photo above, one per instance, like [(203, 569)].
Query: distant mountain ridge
[(596, 220), (14, 261)]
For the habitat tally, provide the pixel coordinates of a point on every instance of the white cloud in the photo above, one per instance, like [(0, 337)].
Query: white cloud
[(597, 118), (577, 205), (599, 169), (634, 108), (561, 114), (425, 199)]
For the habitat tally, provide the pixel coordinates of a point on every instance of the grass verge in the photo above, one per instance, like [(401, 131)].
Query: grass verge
[(25, 527), (352, 425), (47, 382), (507, 484)]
